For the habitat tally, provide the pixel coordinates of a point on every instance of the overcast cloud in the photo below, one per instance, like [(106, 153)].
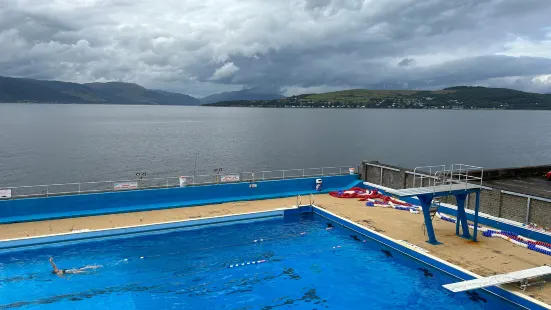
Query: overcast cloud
[(201, 47)]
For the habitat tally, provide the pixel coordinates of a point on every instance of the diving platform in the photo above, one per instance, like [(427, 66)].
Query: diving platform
[(437, 191), (522, 277), (459, 180)]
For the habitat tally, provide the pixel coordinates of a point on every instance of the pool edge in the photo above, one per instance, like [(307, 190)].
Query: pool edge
[(435, 262), (17, 244)]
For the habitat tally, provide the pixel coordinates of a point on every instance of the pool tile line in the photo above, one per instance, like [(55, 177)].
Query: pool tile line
[(433, 261)]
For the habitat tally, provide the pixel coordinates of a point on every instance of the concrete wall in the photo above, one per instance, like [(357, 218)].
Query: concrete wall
[(33, 209), (505, 173), (494, 201)]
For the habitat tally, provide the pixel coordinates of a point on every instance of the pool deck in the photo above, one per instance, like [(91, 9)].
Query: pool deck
[(487, 257)]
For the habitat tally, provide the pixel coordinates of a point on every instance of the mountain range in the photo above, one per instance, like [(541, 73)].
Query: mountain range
[(42, 91)]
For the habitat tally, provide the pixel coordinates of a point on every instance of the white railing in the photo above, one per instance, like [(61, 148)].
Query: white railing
[(433, 176), (190, 180)]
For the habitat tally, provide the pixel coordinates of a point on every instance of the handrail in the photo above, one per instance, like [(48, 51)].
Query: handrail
[(73, 188)]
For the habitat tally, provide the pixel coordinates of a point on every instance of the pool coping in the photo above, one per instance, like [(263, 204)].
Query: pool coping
[(419, 254), (433, 261), (18, 244)]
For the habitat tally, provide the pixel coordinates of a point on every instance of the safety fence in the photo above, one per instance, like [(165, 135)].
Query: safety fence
[(168, 182)]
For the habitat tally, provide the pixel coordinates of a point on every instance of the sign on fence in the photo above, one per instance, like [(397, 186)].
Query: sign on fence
[(230, 178), (5, 193), (125, 185), (183, 181)]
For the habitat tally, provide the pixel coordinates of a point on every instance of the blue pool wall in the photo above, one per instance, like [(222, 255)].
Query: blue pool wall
[(56, 207), (483, 220), (429, 260)]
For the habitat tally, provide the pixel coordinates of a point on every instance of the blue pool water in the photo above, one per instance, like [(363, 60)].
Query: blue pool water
[(306, 267)]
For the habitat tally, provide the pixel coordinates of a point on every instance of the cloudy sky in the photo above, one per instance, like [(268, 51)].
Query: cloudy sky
[(201, 47)]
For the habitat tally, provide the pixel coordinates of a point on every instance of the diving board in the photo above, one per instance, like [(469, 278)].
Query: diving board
[(521, 276), (438, 190), (431, 182)]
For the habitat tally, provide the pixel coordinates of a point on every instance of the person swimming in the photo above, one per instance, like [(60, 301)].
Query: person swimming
[(426, 272), (62, 272), (356, 238), (329, 226), (387, 253)]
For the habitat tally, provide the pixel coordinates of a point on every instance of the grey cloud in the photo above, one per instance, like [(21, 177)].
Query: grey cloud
[(406, 62), (278, 44)]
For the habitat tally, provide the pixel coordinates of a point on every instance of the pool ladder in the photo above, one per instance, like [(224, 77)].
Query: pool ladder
[(311, 197)]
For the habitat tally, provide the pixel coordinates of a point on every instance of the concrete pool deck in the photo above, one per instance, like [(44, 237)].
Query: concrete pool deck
[(489, 256)]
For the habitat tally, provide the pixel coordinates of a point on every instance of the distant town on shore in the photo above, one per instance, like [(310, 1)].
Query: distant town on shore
[(18, 90)]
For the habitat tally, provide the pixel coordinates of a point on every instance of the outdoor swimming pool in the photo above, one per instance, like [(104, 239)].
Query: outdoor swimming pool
[(302, 266)]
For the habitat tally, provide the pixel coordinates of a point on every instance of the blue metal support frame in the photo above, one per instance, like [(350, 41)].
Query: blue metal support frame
[(462, 216), (426, 203), (477, 206)]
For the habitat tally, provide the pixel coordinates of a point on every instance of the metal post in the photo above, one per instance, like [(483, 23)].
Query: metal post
[(462, 216), (528, 210), (283, 174), (166, 182), (381, 181), (321, 171), (303, 173), (476, 215), (426, 202), (262, 175), (47, 191)]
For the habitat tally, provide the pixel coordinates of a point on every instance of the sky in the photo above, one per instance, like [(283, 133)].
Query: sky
[(201, 47)]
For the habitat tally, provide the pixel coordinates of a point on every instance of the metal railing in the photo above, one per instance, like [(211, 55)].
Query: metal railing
[(382, 168), (433, 176), (168, 182)]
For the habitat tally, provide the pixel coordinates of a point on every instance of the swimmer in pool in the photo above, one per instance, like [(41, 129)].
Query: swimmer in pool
[(62, 272), (329, 226)]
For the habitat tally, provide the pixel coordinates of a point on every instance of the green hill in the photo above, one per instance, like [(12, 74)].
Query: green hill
[(40, 91), (460, 97)]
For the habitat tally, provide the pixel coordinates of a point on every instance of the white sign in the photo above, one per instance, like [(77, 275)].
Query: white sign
[(126, 185), (230, 178), (183, 181), (252, 185), (5, 193)]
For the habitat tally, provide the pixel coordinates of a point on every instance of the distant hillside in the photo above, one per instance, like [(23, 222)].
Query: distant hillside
[(246, 94), (133, 93), (29, 90), (460, 97)]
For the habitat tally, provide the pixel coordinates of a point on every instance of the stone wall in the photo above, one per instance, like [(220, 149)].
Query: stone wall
[(494, 201)]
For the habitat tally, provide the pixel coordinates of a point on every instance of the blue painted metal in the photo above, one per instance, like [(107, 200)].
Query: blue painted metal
[(461, 196), (477, 206), (426, 203), (46, 208), (461, 216)]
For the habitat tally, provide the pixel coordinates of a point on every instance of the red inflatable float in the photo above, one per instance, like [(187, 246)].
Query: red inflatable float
[(364, 194)]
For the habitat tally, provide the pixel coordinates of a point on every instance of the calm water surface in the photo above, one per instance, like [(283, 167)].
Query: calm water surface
[(42, 144)]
